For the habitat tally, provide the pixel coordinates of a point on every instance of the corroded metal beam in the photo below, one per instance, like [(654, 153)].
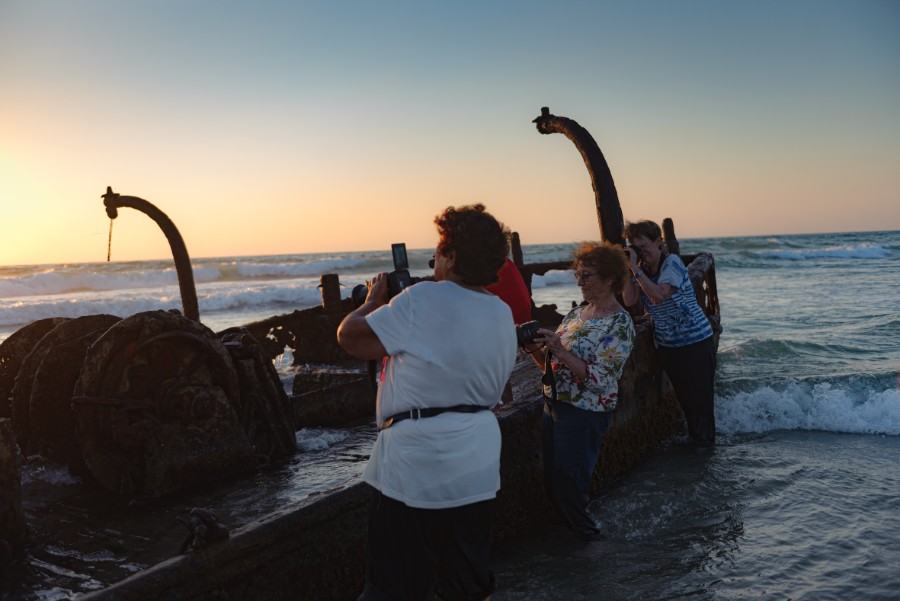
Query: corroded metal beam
[(189, 304), (13, 528), (609, 211), (672, 243)]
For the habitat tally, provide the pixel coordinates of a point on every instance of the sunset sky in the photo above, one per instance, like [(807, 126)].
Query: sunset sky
[(288, 127)]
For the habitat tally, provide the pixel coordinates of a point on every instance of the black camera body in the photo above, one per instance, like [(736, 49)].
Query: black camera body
[(397, 280), (637, 251), (527, 332)]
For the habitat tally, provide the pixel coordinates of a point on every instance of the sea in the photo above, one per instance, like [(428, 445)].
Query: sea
[(799, 499)]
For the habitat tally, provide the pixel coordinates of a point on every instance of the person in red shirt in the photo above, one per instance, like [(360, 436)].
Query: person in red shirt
[(510, 287)]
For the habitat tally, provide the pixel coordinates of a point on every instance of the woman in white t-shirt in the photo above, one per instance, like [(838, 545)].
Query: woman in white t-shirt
[(435, 466)]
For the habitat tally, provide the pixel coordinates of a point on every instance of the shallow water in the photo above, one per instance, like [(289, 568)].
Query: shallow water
[(781, 515), (85, 539)]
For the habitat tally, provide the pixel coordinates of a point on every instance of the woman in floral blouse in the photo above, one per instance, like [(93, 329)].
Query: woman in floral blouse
[(587, 354)]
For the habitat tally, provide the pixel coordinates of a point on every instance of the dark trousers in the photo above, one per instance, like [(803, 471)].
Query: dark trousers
[(412, 552), (571, 448), (692, 370)]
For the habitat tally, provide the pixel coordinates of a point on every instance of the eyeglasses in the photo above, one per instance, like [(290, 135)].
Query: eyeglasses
[(583, 275), (431, 261)]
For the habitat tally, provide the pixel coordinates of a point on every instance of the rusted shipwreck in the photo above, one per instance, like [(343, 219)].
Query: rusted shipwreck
[(161, 380)]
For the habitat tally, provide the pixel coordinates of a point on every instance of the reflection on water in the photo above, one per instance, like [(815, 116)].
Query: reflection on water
[(781, 515), (85, 539), (786, 515)]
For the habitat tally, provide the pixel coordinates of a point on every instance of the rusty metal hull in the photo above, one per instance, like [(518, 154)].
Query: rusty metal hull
[(313, 549)]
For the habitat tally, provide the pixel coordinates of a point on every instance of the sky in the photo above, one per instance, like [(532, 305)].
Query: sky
[(281, 127)]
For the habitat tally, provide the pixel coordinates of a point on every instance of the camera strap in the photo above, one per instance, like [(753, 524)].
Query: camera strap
[(547, 379)]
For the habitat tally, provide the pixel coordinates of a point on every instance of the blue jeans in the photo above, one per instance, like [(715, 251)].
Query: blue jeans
[(571, 449)]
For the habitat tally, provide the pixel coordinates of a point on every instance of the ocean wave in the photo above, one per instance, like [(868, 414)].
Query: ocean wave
[(22, 313), (856, 405), (787, 351), (775, 255), (101, 278), (553, 278), (315, 268), (542, 254), (856, 251), (262, 296), (53, 281), (736, 243), (817, 351), (297, 294)]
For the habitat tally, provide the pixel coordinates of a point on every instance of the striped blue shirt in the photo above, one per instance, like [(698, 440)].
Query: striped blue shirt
[(678, 320)]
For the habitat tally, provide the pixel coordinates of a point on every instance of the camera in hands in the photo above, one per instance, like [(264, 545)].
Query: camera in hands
[(637, 251), (527, 332), (397, 280)]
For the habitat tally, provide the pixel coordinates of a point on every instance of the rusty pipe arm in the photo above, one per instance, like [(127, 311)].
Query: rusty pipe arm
[(609, 211), (113, 202)]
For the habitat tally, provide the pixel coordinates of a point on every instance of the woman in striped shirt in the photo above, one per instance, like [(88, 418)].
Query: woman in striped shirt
[(681, 330)]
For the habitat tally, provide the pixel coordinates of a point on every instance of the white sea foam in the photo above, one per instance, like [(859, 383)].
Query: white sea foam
[(41, 471), (553, 278), (318, 439), (858, 251), (65, 279), (805, 406), (93, 557), (284, 296), (293, 270), (59, 571), (294, 294), (53, 281)]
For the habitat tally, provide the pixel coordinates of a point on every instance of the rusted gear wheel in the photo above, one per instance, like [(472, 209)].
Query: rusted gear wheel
[(154, 407), (42, 396), (13, 351), (264, 411)]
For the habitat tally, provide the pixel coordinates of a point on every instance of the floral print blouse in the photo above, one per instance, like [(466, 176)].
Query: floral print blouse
[(604, 344)]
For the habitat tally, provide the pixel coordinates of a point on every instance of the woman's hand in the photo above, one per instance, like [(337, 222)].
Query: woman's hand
[(632, 259), (551, 340), (355, 335), (554, 344), (378, 290)]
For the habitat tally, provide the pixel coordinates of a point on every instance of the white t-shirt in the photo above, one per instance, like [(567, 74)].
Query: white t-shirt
[(448, 345)]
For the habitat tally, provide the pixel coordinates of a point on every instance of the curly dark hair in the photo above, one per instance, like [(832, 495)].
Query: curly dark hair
[(480, 241), (608, 260)]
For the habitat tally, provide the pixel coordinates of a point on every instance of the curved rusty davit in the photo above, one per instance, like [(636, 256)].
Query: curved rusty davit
[(189, 304), (609, 211)]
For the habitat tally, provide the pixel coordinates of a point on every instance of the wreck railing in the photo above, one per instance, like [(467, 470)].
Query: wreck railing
[(702, 271)]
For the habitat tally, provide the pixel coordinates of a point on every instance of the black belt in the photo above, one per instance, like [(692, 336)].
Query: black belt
[(420, 413)]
